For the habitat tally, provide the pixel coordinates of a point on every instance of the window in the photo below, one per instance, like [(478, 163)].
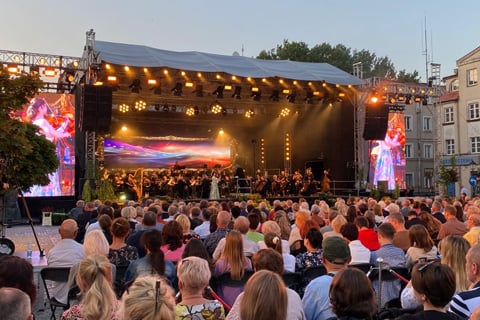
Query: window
[(454, 85), (409, 179), (408, 123), (473, 111), (448, 115), (450, 146), (408, 150), (475, 143), (427, 123), (472, 77), (427, 151), (428, 178)]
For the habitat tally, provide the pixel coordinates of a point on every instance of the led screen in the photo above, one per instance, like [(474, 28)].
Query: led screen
[(55, 115), (387, 157), (161, 152)]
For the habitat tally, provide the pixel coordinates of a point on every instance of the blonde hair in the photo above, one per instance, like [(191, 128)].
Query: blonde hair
[(139, 301), (453, 250), (129, 213), (94, 279), (194, 273), (233, 254), (271, 227), (282, 220), (184, 221), (95, 243), (338, 222), (264, 298)]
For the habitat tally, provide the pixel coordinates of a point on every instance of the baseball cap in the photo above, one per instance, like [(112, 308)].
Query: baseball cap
[(336, 250)]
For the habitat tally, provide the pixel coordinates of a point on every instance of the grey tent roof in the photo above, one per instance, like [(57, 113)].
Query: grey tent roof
[(143, 56)]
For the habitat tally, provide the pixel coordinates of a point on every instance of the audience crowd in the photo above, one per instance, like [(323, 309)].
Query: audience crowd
[(352, 259)]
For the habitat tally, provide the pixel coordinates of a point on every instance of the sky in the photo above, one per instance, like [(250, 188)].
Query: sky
[(391, 28)]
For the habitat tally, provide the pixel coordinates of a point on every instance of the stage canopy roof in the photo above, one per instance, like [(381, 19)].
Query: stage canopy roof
[(143, 56)]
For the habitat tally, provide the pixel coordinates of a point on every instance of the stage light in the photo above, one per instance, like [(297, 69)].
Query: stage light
[(173, 108), (291, 97), (42, 61), (111, 78), (417, 98), (188, 84), (124, 128), (373, 99), (285, 112), (177, 90), (127, 68), (157, 90), (198, 90), (140, 105), (124, 108), (237, 93), (392, 99), (408, 99), (152, 81), (199, 74), (34, 70), (190, 111), (196, 110), (227, 87), (249, 113), (218, 92), (156, 107), (135, 86), (145, 70), (286, 91), (275, 95), (165, 72), (49, 72), (76, 63), (221, 132), (256, 94), (309, 96), (401, 97), (234, 78), (216, 108), (12, 68), (224, 111), (425, 101), (69, 76), (165, 108), (107, 66), (98, 83), (183, 73), (218, 77)]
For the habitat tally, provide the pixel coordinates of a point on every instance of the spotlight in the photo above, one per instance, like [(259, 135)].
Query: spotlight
[(157, 107), (190, 111), (69, 76), (177, 90), (275, 95), (237, 93), (425, 101), (392, 99), (124, 108), (49, 72), (408, 99), (249, 113), (285, 112), (219, 92), (157, 90), (417, 98), (34, 70), (140, 105), (216, 108), (198, 90), (135, 86), (374, 99), (165, 108), (401, 97), (309, 96), (291, 97), (12, 69), (256, 94)]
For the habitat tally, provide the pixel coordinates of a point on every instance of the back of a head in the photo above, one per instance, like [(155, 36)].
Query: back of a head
[(349, 231), (193, 273), (120, 227), (397, 217), (241, 224), (95, 243), (149, 219), (273, 241), (254, 220), (223, 218), (386, 230), (68, 229), (264, 298), (148, 298), (314, 237), (268, 259), (426, 279), (15, 304), (17, 273)]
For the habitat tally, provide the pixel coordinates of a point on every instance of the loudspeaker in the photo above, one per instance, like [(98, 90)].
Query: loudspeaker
[(96, 109), (376, 122)]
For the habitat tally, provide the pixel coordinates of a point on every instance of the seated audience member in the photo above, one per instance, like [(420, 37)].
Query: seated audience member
[(352, 295), (257, 305), (422, 246), (203, 230), (298, 247), (269, 259), (453, 226), (281, 219), (153, 263), (273, 227), (148, 223), (313, 257), (367, 236), (433, 224), (359, 253), (193, 275), (413, 219), (195, 248), (392, 257), (254, 220), (65, 253), (120, 253), (434, 297), (401, 238), (316, 300), (241, 224), (463, 303), (148, 298), (212, 240), (473, 225), (94, 278), (274, 242), (185, 222), (15, 304), (437, 211), (172, 239), (232, 260), (16, 272), (336, 224), (300, 218)]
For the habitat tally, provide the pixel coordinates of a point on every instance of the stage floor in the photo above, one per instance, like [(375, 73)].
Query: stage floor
[(22, 235)]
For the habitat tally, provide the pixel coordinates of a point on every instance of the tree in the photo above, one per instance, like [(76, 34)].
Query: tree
[(404, 76), (27, 156)]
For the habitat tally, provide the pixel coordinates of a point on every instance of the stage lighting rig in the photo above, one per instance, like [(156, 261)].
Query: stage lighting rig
[(135, 87)]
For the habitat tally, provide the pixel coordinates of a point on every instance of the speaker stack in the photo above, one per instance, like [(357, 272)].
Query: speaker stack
[(376, 121), (96, 109)]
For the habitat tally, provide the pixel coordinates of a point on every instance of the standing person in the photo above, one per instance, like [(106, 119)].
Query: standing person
[(214, 191), (464, 303), (193, 275), (94, 278), (316, 300), (66, 253)]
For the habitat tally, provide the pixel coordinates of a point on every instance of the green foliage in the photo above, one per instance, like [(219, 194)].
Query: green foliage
[(88, 193), (28, 156), (339, 56), (105, 190)]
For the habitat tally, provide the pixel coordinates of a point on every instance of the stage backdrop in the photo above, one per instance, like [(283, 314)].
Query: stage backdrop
[(54, 114)]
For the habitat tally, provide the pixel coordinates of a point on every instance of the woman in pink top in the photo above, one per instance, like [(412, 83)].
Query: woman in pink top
[(173, 246)]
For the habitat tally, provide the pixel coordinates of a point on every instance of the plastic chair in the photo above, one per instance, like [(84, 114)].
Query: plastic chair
[(59, 274), (47, 219)]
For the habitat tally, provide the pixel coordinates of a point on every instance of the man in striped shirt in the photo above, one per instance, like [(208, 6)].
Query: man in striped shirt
[(465, 302)]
